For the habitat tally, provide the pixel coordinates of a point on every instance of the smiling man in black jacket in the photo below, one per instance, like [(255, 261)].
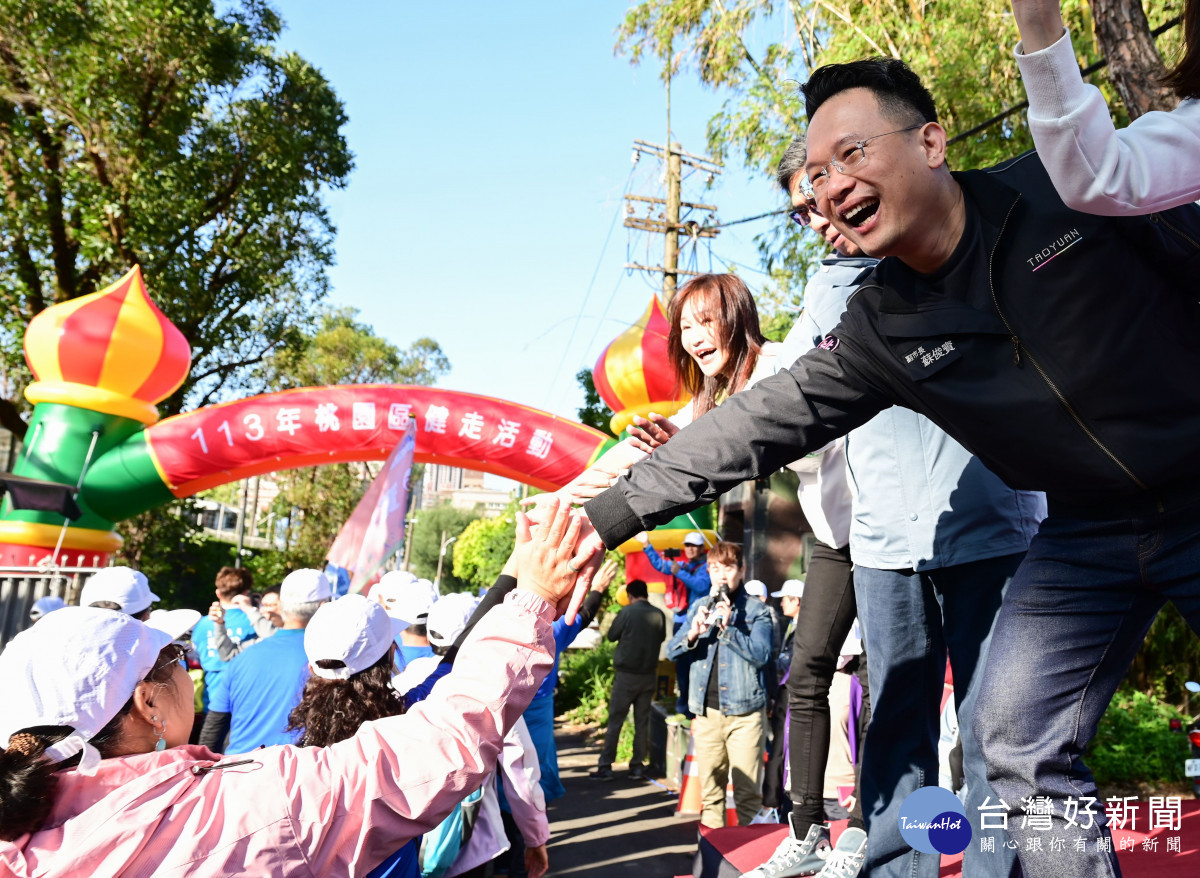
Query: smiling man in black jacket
[(1060, 348)]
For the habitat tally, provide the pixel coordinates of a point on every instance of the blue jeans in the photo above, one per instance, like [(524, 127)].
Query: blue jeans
[(1074, 617), (910, 622)]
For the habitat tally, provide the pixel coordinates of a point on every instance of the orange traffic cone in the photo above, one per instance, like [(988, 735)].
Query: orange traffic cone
[(730, 807), (690, 802)]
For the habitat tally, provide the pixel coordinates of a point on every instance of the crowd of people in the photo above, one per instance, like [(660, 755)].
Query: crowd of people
[(987, 401)]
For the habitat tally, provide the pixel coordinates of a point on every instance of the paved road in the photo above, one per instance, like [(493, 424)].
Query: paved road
[(606, 829)]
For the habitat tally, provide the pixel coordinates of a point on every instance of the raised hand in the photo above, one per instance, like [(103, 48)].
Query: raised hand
[(1040, 23), (604, 472), (589, 548), (699, 624), (588, 484), (648, 434), (545, 547), (605, 576)]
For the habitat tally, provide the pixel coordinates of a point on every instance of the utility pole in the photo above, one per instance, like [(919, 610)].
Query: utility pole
[(674, 186), (241, 528), (670, 221), (437, 580)]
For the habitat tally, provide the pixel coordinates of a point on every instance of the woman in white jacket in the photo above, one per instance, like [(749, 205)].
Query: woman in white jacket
[(1152, 165)]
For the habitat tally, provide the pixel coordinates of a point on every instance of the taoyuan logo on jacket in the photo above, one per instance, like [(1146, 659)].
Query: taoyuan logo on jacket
[(1054, 249)]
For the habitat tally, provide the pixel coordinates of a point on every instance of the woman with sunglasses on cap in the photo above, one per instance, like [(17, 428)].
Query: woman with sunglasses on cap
[(95, 777)]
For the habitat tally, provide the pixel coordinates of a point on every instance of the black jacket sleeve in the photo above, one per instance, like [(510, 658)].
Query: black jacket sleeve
[(494, 595), (824, 395), (589, 608)]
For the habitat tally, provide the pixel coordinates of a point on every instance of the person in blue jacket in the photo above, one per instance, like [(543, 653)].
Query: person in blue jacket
[(692, 571)]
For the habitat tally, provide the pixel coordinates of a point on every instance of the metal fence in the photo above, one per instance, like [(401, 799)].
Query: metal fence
[(21, 586)]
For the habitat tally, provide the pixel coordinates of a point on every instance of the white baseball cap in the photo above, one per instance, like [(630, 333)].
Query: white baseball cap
[(354, 630), (413, 603), (448, 618), (391, 584), (695, 538), (792, 588), (45, 605), (177, 623), (124, 586), (304, 587), (76, 668), (755, 587)]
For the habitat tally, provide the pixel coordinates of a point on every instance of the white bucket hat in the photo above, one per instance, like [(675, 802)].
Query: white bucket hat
[(792, 588), (45, 605), (756, 587), (305, 587), (124, 586), (75, 668), (354, 630), (177, 623), (448, 618)]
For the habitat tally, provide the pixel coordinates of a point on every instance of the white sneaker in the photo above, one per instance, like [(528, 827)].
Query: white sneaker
[(766, 815), (794, 858), (846, 860)]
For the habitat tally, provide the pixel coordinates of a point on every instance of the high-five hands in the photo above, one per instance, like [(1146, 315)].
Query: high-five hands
[(603, 473), (557, 553)]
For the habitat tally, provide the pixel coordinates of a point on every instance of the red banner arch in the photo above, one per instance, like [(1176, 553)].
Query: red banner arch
[(315, 425)]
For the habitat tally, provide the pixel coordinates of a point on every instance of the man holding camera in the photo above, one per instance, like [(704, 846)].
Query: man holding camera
[(729, 639)]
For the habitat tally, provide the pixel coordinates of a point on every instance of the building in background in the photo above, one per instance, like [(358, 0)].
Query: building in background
[(462, 489)]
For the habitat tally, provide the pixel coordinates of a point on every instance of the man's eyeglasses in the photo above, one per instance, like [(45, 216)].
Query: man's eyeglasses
[(853, 156)]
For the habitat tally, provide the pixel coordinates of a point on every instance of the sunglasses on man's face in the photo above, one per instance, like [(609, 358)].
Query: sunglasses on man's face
[(801, 216)]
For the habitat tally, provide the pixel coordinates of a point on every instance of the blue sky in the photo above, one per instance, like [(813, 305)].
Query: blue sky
[(492, 146)]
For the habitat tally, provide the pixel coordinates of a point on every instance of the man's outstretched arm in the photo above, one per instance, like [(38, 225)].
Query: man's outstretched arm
[(755, 432)]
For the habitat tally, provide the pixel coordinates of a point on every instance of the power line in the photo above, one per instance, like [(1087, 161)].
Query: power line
[(583, 304), (748, 219), (1085, 72)]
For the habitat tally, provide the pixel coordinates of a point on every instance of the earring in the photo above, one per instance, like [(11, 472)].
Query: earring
[(160, 733)]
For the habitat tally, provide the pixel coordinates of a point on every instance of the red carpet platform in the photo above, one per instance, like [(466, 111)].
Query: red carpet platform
[(727, 853)]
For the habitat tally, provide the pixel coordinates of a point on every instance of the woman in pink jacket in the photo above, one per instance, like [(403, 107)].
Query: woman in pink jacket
[(96, 778)]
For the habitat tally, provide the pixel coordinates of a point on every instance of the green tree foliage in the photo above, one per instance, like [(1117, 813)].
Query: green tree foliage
[(344, 351), (483, 548), (434, 525), (595, 411), (168, 545), (316, 501), (962, 50), (174, 135), (1169, 657)]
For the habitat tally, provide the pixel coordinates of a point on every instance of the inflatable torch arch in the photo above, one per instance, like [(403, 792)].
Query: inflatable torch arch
[(102, 362)]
